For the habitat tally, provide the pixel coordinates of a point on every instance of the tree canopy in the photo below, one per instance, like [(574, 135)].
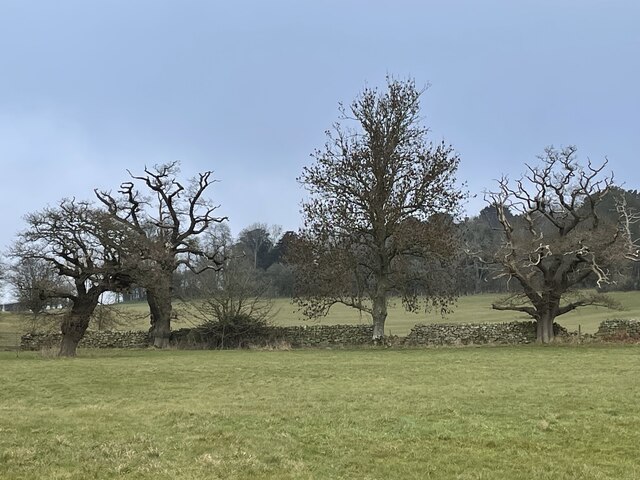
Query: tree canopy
[(380, 210)]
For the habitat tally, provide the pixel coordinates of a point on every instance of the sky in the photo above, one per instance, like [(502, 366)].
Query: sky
[(89, 89)]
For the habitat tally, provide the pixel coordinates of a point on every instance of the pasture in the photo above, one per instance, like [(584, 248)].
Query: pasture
[(469, 309), (526, 412)]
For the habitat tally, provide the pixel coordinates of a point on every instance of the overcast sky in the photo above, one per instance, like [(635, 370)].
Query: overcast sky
[(247, 89)]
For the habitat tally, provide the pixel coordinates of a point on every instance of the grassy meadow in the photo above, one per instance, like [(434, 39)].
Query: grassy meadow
[(469, 309), (528, 412)]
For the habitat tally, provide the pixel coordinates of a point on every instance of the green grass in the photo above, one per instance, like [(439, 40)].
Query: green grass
[(469, 309), (451, 413)]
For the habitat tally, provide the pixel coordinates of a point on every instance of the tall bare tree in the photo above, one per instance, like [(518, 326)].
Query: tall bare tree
[(81, 244), (257, 240), (164, 223), (628, 218), (380, 210), (556, 239)]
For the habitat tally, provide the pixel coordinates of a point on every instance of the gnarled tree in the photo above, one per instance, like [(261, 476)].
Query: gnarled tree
[(379, 214), (163, 226), (81, 245), (556, 239)]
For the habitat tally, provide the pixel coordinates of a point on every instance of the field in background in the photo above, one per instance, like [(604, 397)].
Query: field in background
[(469, 309), (510, 413)]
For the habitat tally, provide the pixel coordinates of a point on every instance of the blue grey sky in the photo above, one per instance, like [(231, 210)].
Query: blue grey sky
[(247, 89)]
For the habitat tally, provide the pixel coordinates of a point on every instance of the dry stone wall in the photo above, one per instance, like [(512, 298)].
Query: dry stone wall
[(295, 336), (619, 329), (344, 335), (467, 334), (324, 335), (91, 339)]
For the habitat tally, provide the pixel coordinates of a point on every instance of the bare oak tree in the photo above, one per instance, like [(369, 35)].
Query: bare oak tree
[(380, 209), (81, 244), (163, 223), (555, 239)]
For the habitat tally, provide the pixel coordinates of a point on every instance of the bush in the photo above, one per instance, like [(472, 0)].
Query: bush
[(238, 331)]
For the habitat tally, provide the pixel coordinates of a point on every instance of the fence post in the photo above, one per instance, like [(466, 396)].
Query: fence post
[(579, 332)]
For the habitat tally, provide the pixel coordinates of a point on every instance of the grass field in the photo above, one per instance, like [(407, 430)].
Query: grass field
[(450, 413), (469, 309)]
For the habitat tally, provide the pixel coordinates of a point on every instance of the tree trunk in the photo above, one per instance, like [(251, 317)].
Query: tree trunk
[(379, 315), (548, 311), (159, 300), (75, 324), (544, 328), (69, 346)]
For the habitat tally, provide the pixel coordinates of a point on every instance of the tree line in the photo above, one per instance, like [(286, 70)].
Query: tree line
[(382, 219)]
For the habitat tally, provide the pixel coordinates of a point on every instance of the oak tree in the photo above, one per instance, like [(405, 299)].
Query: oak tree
[(82, 245), (163, 218), (555, 239)]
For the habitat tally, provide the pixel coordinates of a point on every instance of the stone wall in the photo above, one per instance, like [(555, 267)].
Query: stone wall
[(295, 336), (467, 334), (619, 329), (343, 335), (92, 339), (324, 335)]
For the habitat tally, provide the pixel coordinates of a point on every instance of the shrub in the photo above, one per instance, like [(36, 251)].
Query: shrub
[(237, 331)]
